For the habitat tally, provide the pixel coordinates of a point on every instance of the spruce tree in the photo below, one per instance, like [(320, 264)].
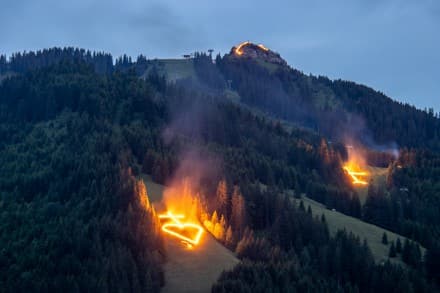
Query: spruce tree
[(406, 252), (392, 250), (301, 206), (384, 238), (222, 198), (398, 246)]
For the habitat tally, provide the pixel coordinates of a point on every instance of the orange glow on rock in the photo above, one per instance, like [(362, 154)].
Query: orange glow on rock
[(262, 47), (190, 233), (239, 49)]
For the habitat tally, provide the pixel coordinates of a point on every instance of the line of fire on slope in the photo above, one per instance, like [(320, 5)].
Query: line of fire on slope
[(176, 227)]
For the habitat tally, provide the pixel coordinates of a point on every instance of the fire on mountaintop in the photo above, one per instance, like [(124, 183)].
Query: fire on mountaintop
[(239, 49)]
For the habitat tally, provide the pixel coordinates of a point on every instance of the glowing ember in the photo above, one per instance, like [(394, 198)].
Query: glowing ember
[(181, 230), (262, 47), (239, 48), (357, 176)]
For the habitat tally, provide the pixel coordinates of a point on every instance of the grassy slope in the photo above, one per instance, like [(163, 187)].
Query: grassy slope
[(337, 221), (175, 69), (191, 270), (178, 68), (197, 269)]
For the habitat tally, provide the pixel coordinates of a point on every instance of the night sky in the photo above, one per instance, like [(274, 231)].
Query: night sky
[(390, 45)]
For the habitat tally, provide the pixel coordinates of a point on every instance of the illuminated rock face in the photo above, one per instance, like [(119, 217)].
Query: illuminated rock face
[(253, 51)]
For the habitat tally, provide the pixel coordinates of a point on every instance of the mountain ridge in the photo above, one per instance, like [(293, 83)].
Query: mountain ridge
[(77, 134)]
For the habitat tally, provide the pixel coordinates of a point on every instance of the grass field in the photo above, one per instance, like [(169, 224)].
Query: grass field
[(338, 221), (191, 270), (175, 69), (196, 269), (154, 190)]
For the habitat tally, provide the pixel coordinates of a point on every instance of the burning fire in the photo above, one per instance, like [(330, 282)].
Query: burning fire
[(181, 230), (239, 48), (354, 166), (262, 47), (355, 175), (358, 176)]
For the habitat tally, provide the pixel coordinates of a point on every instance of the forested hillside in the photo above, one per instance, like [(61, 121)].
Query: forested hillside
[(77, 132), (337, 109), (73, 216)]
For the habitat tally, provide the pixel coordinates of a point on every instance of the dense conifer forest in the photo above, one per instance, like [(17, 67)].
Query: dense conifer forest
[(77, 131)]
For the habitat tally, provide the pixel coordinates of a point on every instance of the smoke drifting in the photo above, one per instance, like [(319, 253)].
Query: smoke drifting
[(198, 168), (361, 145)]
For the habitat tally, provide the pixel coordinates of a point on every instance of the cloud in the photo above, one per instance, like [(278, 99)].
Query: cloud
[(389, 44)]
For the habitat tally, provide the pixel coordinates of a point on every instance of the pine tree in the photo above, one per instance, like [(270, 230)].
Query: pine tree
[(141, 192), (355, 207), (406, 252), (398, 246), (219, 231), (301, 206), (229, 238), (384, 238), (392, 252), (432, 259), (238, 212), (214, 218), (222, 198), (223, 222), (417, 254)]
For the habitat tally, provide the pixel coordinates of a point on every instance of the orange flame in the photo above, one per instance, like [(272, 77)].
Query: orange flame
[(355, 166), (174, 224), (264, 48), (239, 49), (355, 175)]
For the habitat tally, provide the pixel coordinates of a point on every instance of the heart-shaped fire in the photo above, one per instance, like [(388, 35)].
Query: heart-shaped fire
[(186, 231)]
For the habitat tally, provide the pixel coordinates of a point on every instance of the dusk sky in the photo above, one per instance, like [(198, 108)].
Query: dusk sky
[(390, 45)]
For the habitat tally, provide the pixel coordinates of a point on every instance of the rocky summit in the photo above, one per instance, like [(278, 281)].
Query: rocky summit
[(254, 51)]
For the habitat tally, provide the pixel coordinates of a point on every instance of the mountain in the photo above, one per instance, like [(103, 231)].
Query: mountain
[(248, 50), (251, 134), (338, 109)]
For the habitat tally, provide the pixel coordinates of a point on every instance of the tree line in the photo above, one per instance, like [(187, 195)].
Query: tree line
[(74, 142)]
